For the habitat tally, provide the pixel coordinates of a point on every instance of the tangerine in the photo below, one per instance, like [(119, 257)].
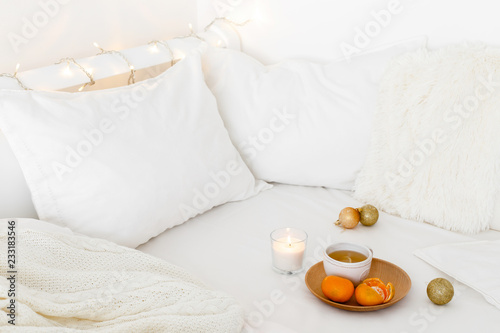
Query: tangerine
[(373, 291), (366, 295), (337, 288)]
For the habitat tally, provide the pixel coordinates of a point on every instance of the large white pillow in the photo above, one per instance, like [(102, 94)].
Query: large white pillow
[(435, 149), (300, 122), (125, 164)]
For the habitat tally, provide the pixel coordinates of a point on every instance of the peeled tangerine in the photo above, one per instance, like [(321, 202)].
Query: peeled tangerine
[(368, 215), (348, 218), (373, 291)]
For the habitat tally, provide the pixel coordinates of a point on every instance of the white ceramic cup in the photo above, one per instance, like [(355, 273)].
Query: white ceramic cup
[(356, 271)]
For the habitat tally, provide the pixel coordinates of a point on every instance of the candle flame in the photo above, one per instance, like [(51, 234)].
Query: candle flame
[(289, 241)]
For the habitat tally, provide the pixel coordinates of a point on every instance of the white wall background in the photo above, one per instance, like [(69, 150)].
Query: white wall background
[(38, 33), (316, 29)]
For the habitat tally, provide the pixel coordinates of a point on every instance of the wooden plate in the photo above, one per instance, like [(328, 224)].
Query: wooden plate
[(382, 269)]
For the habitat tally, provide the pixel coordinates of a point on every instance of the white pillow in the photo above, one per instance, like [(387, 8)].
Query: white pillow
[(435, 146), (300, 122), (15, 197), (125, 164)]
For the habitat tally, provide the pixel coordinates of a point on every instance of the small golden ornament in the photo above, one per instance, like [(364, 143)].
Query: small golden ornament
[(368, 215), (440, 291), (348, 218)]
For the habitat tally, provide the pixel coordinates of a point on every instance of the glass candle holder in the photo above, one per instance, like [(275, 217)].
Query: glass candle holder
[(288, 247)]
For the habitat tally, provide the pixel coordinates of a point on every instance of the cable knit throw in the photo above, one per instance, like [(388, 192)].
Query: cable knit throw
[(68, 283)]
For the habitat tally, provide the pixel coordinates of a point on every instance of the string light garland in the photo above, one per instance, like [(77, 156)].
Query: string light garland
[(154, 49), (14, 76), (229, 22), (131, 78), (192, 33), (73, 61), (165, 44), (233, 24), (226, 20)]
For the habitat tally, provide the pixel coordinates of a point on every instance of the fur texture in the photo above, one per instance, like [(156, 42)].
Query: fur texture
[(436, 141)]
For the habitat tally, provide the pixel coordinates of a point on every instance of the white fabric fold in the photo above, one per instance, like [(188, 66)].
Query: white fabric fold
[(476, 264)]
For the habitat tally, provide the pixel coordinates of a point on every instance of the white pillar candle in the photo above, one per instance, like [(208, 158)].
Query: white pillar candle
[(288, 248)]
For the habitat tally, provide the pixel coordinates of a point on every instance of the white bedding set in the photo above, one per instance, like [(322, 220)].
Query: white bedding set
[(233, 254), (145, 186), (229, 249)]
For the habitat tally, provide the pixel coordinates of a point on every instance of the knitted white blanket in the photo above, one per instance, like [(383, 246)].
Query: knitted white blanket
[(68, 283)]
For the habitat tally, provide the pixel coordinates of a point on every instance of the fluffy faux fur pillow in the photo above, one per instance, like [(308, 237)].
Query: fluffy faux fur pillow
[(435, 147), (495, 223)]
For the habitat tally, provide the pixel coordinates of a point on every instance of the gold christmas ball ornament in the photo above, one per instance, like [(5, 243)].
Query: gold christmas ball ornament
[(440, 291), (368, 215), (348, 218)]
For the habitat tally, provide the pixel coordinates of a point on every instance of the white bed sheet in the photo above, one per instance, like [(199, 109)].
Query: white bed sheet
[(229, 248)]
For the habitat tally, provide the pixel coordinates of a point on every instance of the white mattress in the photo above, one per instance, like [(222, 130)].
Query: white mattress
[(229, 248)]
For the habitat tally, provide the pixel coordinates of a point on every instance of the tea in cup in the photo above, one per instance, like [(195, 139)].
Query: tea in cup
[(348, 260)]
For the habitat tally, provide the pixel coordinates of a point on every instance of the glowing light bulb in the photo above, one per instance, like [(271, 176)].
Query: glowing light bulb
[(179, 55), (131, 67), (17, 67), (67, 70), (154, 48), (98, 46), (219, 43)]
